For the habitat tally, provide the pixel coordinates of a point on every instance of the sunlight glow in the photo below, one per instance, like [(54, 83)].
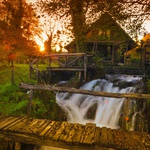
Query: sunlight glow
[(42, 48), (58, 48)]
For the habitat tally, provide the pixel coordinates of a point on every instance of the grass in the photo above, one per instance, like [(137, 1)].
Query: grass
[(14, 101)]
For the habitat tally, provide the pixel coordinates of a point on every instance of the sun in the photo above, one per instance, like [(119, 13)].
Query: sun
[(42, 48), (40, 42)]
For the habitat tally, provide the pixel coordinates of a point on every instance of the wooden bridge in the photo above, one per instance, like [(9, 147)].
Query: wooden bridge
[(68, 135)]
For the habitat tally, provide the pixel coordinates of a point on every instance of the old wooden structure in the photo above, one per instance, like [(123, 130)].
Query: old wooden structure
[(68, 135), (76, 62), (107, 39)]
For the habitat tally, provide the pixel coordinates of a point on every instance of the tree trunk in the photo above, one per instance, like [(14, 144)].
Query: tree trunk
[(79, 26)]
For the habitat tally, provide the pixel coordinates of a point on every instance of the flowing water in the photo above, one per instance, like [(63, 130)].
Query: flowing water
[(102, 111)]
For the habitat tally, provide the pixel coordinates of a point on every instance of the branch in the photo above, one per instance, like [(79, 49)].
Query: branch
[(87, 92)]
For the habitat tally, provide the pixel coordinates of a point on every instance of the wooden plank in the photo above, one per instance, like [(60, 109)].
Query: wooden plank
[(79, 129), (29, 126), (88, 134), (65, 69), (73, 135), (38, 126), (117, 139), (67, 133), (18, 124), (64, 55), (104, 139), (53, 130), (110, 138), (47, 128), (7, 122), (60, 130), (97, 135), (14, 123), (125, 143), (45, 124), (122, 143)]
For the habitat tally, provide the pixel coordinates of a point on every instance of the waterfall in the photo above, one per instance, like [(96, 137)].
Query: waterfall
[(102, 111)]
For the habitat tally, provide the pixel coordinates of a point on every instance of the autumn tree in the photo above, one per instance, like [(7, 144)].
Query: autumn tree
[(18, 25), (82, 13)]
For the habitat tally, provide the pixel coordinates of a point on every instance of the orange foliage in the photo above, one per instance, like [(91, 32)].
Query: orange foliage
[(146, 37)]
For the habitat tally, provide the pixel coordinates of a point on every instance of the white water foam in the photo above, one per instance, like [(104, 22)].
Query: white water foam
[(107, 110)]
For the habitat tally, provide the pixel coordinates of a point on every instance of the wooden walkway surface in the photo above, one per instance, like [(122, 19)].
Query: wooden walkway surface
[(69, 135)]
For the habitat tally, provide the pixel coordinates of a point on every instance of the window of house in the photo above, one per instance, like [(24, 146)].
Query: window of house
[(104, 33)]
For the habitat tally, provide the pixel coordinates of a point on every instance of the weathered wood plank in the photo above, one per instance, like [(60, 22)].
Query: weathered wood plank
[(104, 139), (13, 124), (117, 139), (73, 135), (8, 122), (126, 144), (38, 126), (18, 124), (65, 69), (97, 135), (53, 130), (88, 134), (47, 128), (48, 132), (110, 138), (29, 126), (79, 129), (87, 92), (45, 124), (60, 130), (67, 133)]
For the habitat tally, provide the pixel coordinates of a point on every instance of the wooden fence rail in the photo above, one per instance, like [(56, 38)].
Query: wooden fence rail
[(87, 92)]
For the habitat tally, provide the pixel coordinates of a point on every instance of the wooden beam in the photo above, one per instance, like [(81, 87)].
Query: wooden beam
[(87, 92)]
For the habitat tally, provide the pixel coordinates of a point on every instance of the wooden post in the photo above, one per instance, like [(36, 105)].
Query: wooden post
[(17, 146), (85, 66), (30, 102), (49, 70), (37, 73)]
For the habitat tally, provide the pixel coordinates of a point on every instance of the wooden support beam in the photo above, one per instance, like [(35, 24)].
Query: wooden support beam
[(30, 103), (87, 92)]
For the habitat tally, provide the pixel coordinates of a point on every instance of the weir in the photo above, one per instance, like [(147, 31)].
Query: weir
[(103, 111)]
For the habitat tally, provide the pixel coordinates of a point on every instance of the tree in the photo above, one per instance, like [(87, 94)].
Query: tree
[(129, 13), (18, 25)]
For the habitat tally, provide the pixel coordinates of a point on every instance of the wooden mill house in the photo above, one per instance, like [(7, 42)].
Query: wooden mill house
[(107, 39)]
